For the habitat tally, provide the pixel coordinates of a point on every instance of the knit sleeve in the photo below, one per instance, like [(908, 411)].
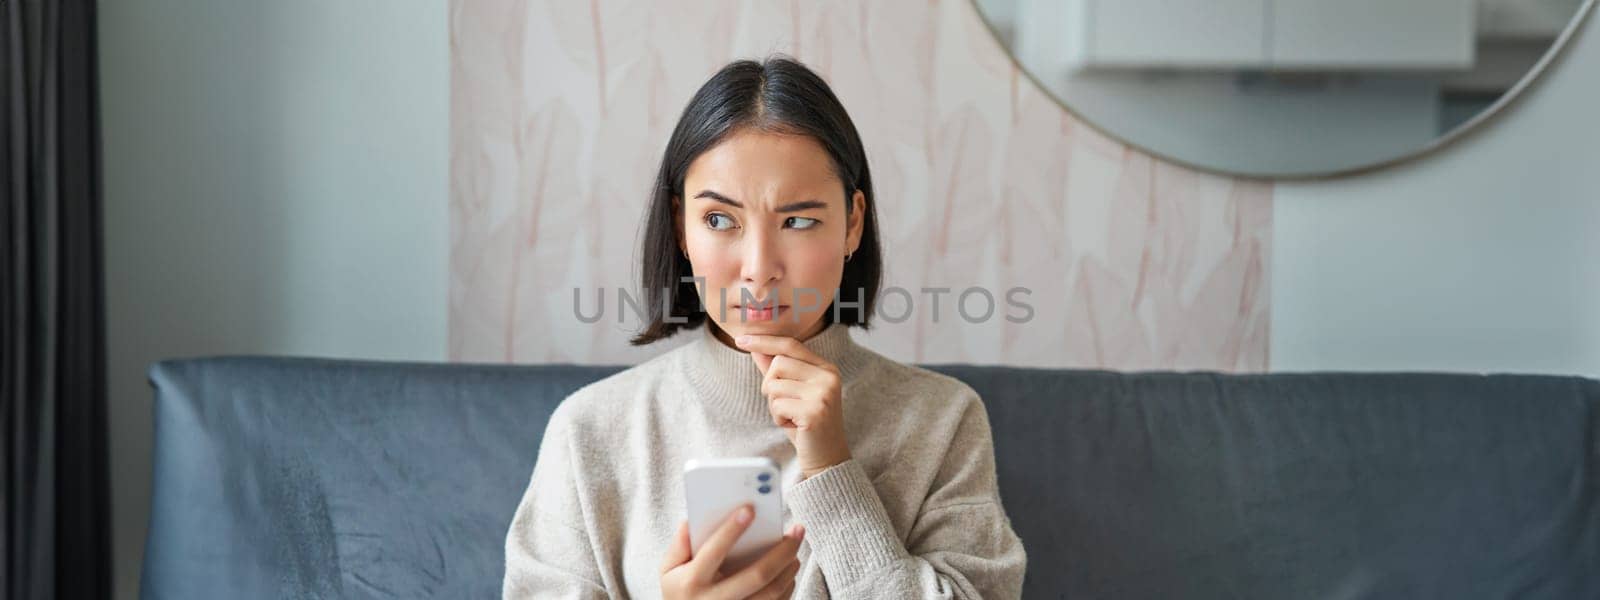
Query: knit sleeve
[(960, 546), (548, 552)]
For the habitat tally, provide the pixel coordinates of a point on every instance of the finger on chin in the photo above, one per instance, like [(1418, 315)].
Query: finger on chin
[(763, 361)]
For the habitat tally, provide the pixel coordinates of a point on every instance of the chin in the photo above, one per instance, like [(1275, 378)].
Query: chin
[(782, 326), (734, 327)]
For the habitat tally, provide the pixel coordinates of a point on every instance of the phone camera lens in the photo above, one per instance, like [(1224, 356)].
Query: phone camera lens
[(764, 477), (764, 489)]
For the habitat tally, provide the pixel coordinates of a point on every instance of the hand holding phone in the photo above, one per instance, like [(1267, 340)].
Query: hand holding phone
[(713, 488), (731, 554)]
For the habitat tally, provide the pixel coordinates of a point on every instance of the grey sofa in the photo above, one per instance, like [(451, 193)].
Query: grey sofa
[(316, 478)]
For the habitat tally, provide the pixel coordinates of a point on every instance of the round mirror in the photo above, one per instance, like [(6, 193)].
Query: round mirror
[(1284, 88)]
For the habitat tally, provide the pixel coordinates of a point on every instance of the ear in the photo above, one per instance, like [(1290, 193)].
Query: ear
[(855, 223)]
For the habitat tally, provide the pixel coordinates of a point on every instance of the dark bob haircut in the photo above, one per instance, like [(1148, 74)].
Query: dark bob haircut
[(778, 95)]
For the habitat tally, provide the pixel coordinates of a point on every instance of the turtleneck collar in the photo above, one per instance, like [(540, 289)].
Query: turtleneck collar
[(728, 382)]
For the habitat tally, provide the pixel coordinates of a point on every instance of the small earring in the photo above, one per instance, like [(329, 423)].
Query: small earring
[(848, 255)]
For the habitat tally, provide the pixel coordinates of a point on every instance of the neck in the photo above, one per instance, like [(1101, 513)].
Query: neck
[(728, 382)]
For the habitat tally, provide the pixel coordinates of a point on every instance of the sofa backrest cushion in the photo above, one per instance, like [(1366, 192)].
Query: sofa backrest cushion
[(296, 477)]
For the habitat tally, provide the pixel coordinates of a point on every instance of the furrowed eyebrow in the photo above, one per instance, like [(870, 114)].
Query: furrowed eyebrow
[(787, 208), (801, 205), (719, 198)]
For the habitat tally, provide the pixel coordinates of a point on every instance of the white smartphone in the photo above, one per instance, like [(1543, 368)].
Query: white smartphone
[(714, 487)]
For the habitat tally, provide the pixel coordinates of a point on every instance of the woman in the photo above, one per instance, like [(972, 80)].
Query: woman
[(761, 240)]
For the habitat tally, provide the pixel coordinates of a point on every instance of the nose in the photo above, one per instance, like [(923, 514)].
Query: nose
[(761, 262)]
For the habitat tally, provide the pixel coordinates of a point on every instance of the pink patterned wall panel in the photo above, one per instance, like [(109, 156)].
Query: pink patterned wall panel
[(560, 111)]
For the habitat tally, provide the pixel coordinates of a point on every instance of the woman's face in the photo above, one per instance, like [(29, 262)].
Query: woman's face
[(764, 217)]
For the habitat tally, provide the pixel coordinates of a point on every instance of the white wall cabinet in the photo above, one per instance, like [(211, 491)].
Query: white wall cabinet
[(1278, 34), (1370, 34), (1171, 33)]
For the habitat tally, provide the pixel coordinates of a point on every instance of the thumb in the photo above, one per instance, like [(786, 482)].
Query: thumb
[(678, 552), (763, 361)]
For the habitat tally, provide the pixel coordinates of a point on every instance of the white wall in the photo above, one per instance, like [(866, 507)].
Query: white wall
[(1204, 118), (275, 183), (1484, 257)]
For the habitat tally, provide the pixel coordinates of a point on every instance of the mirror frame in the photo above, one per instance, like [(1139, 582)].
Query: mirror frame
[(1545, 63)]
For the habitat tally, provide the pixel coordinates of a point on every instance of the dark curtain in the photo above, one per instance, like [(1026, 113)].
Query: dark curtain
[(55, 481)]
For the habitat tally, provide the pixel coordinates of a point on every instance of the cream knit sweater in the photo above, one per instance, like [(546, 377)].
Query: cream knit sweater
[(915, 513)]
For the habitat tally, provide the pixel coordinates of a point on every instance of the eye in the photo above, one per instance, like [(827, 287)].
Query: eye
[(801, 222), (719, 222)]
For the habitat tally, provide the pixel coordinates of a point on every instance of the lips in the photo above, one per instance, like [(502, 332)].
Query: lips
[(755, 313), (760, 306)]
